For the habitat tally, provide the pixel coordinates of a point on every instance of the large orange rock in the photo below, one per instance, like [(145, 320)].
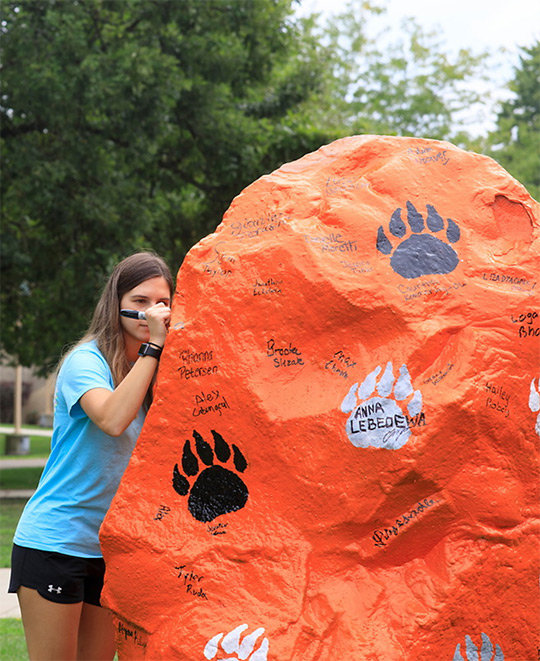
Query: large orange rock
[(341, 459)]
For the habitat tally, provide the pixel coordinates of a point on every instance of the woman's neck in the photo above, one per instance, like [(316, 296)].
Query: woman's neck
[(132, 348)]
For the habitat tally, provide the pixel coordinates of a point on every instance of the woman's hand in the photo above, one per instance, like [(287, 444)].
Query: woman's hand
[(158, 317)]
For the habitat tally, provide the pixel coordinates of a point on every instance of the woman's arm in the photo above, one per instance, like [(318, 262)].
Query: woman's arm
[(113, 411)]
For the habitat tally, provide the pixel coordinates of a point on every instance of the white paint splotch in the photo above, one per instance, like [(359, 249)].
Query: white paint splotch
[(235, 648), (534, 403)]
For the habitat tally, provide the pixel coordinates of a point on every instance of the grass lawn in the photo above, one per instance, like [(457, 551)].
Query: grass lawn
[(10, 512), (39, 447), (25, 477), (12, 643)]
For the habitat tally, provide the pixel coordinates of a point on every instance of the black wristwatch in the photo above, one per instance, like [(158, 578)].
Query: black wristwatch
[(150, 349)]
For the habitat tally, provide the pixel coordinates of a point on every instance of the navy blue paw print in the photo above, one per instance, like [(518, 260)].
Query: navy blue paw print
[(217, 490), (421, 252)]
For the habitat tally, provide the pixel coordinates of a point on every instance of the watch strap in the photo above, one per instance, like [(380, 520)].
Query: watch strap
[(146, 349)]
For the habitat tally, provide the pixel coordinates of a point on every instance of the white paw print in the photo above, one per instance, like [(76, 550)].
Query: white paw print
[(534, 404), (230, 644), (486, 651), (379, 421)]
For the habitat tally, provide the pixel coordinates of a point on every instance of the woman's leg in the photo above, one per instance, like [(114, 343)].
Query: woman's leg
[(96, 634), (51, 629)]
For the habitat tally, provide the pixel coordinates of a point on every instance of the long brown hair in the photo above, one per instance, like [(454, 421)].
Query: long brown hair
[(105, 326)]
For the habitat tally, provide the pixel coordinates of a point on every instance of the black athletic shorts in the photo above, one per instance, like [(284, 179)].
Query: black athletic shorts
[(65, 579)]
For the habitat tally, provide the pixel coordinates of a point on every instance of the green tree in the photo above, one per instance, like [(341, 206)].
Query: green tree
[(515, 143), (403, 84), (130, 125)]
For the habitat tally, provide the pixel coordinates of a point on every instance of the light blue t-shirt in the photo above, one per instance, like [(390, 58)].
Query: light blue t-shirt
[(84, 468)]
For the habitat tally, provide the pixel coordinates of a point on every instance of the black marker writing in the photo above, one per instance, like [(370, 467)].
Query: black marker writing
[(358, 267), (525, 317), (193, 373), (499, 399), (519, 283), (427, 287), (218, 529), (191, 582), (440, 375), (371, 416), (341, 184), (162, 511), (419, 155), (339, 364), (215, 266), (528, 331), (284, 356), (251, 227), (333, 242), (266, 287), (190, 358), (131, 634), (382, 535)]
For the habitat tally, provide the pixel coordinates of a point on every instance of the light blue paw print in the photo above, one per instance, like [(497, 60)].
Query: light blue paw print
[(376, 418), (534, 403), (486, 651)]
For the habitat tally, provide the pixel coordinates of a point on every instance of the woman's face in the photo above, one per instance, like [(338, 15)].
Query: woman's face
[(148, 293)]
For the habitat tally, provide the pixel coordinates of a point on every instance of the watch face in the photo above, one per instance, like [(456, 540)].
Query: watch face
[(147, 350)]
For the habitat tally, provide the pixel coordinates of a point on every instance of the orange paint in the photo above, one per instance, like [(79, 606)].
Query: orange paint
[(355, 351)]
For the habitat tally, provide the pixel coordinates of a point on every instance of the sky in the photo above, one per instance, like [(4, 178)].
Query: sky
[(500, 26)]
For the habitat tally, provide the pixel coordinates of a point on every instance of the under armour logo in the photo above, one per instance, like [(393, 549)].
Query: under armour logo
[(57, 590)]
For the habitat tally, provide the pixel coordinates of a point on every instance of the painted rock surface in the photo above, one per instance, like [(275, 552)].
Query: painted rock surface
[(341, 459)]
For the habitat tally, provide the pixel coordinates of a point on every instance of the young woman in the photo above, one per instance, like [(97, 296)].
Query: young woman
[(102, 392)]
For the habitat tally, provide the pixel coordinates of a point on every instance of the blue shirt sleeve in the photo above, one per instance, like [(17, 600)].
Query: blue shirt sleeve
[(82, 371)]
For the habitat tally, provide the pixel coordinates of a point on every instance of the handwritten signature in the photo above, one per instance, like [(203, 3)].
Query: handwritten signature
[(382, 535)]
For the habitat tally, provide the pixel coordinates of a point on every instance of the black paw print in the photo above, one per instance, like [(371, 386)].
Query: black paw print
[(217, 490), (420, 253)]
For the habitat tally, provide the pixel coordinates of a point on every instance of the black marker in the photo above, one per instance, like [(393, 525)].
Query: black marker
[(133, 314)]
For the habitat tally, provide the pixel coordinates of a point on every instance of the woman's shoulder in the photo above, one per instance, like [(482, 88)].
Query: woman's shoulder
[(88, 345), (84, 367), (84, 352)]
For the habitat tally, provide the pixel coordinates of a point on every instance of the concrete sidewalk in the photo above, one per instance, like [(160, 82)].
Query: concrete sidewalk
[(9, 604), (26, 431), (30, 462), (22, 462)]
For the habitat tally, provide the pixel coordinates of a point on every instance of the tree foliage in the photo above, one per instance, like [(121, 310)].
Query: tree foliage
[(515, 143), (404, 84), (131, 125)]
